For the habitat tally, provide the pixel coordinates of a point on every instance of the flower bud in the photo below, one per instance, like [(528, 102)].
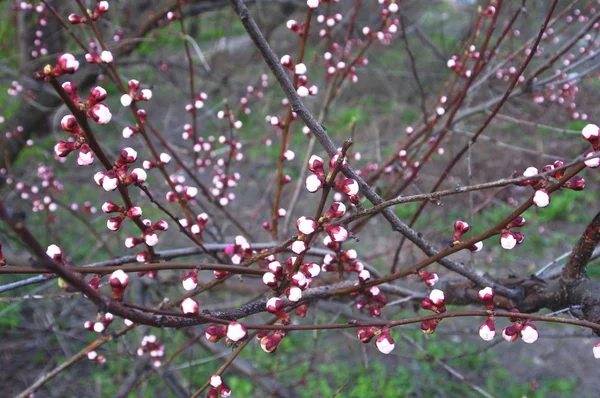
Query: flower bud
[(306, 226), (100, 114), (190, 280), (118, 282), (486, 295), (460, 228), (487, 330), (215, 333), (385, 342), (337, 233), (189, 306), (430, 278), (529, 333), (236, 331)]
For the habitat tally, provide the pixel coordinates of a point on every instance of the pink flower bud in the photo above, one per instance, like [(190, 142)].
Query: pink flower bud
[(76, 19), (385, 342), (270, 280), (591, 161), (111, 207), (519, 221), (85, 156), (67, 63), (299, 247), (189, 306), (510, 333), (541, 198), (106, 57), (64, 148), (293, 293), (271, 342), (487, 330), (476, 247), (300, 69), (313, 183), (366, 334), (236, 331), (215, 381), (349, 186), (576, 183), (596, 351), (274, 305), (429, 326), (486, 295), (507, 240), (337, 233), (460, 228), (529, 333), (306, 226), (100, 114), (97, 94), (118, 282), (190, 280), (591, 133), (139, 175), (215, 333), (430, 278), (55, 253), (126, 100), (336, 210)]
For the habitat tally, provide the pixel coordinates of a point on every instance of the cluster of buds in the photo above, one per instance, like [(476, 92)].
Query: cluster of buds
[(218, 388), (101, 323), (319, 178), (135, 94), (460, 228), (329, 21), (253, 92), (334, 63), (186, 193), (110, 180), (114, 223), (520, 328), (591, 133), (434, 302), (198, 102), (99, 10), (240, 249), (487, 330), (300, 279), (231, 118), (66, 64), (293, 25), (163, 158), (384, 341), (458, 67), (346, 260), (93, 356), (150, 345), (198, 227), (105, 57), (118, 282), (149, 236), (372, 298), (299, 70), (509, 239), (96, 110)]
